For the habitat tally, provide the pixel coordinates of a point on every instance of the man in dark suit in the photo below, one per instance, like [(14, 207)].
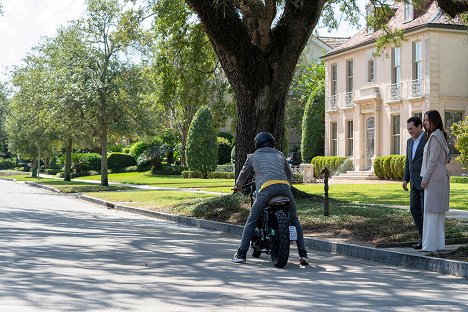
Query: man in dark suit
[(414, 156)]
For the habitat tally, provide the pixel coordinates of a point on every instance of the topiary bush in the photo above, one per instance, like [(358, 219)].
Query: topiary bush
[(333, 163), (390, 167), (313, 127), (378, 169), (202, 149), (120, 160)]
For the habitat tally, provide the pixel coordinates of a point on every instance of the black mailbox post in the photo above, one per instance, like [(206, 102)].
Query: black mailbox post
[(326, 173)]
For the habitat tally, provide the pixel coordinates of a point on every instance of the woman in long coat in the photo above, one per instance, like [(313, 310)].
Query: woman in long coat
[(435, 182)]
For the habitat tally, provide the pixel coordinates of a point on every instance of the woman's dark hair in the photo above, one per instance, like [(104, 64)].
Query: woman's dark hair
[(436, 121)]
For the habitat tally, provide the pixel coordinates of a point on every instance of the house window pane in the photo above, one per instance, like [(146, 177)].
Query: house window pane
[(349, 75), (334, 141), (334, 77), (396, 74), (417, 60), (418, 114), (396, 134), (370, 71), (349, 138), (450, 119)]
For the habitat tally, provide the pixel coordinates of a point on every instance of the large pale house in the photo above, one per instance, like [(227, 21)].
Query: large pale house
[(369, 99)]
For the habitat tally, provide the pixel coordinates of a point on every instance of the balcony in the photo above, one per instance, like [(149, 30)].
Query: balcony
[(415, 88), (332, 102), (394, 92), (348, 100)]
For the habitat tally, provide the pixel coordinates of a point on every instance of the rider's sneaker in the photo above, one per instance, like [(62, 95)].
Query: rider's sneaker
[(239, 257), (303, 261)]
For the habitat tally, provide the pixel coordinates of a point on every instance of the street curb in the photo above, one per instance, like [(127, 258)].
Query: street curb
[(421, 262), (45, 187)]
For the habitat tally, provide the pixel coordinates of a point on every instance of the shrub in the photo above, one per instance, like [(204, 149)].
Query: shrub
[(224, 151), (153, 154), (460, 131), (137, 149), (7, 163), (120, 160), (333, 163), (459, 179), (390, 167), (167, 170), (91, 161), (378, 169), (225, 168), (84, 161), (313, 127), (53, 171), (191, 174), (202, 150)]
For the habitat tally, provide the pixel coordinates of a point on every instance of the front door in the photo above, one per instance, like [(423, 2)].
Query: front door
[(370, 131)]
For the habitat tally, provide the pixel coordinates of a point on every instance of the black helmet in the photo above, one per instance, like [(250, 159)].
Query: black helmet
[(264, 139)]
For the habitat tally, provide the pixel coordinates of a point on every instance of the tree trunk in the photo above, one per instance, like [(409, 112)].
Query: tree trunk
[(266, 115), (34, 167), (104, 175), (68, 160)]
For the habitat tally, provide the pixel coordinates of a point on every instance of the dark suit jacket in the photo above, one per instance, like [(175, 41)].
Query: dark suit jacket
[(413, 167)]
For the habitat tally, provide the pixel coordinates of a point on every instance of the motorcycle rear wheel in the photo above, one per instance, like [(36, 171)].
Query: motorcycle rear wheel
[(280, 242)]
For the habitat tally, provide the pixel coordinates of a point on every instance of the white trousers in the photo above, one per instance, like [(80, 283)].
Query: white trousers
[(433, 238)]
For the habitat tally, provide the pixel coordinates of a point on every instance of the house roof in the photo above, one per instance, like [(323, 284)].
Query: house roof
[(333, 42), (429, 16)]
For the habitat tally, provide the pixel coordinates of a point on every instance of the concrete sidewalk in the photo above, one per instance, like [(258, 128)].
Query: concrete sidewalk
[(398, 256)]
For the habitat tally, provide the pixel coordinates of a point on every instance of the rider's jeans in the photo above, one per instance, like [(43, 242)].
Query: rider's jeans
[(257, 209)]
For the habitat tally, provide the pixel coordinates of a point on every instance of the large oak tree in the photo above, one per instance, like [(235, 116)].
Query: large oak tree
[(258, 43)]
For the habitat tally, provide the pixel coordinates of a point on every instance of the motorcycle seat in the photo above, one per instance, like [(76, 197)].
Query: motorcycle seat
[(278, 200)]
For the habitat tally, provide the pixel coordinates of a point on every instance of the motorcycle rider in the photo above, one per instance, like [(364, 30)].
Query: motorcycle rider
[(273, 176)]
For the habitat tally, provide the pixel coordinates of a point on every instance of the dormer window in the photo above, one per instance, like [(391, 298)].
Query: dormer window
[(409, 12)]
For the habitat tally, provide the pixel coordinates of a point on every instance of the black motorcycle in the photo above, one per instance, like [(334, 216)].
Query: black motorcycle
[(273, 232)]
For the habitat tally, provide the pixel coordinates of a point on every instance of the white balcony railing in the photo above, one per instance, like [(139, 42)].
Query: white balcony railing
[(394, 92), (415, 88), (332, 102), (348, 100)]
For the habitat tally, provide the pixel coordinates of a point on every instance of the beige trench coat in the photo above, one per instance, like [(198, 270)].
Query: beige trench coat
[(434, 172)]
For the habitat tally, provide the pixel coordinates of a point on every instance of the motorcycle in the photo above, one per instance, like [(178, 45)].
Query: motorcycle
[(273, 232)]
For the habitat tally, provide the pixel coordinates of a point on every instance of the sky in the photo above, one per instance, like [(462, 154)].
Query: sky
[(24, 22)]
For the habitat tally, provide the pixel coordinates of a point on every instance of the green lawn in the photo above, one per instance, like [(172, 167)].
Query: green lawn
[(383, 193), (145, 178)]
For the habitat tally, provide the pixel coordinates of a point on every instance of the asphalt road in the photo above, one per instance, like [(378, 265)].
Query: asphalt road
[(58, 253)]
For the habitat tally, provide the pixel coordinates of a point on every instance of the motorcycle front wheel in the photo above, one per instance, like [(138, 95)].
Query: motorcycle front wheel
[(280, 240)]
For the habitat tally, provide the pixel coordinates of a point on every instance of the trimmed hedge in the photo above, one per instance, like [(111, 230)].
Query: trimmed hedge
[(390, 167), (334, 164), (459, 179), (120, 160), (167, 170)]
